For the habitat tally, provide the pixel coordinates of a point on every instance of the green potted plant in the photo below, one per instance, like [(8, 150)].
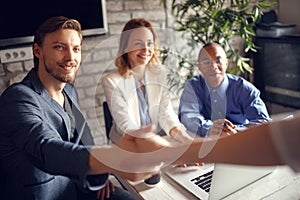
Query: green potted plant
[(222, 21)]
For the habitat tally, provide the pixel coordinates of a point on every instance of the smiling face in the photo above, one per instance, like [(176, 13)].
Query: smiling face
[(59, 55), (213, 64), (140, 47)]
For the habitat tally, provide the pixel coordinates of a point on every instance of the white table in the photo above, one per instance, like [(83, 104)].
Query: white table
[(281, 184)]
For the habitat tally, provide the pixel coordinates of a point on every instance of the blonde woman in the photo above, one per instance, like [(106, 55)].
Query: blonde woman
[(136, 92)]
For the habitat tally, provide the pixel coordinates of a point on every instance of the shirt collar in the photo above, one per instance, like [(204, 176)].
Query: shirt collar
[(221, 90)]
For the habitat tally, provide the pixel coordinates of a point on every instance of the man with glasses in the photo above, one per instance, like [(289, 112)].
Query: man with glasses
[(215, 103)]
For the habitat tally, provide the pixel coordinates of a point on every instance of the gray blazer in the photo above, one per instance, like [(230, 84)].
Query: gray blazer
[(36, 157)]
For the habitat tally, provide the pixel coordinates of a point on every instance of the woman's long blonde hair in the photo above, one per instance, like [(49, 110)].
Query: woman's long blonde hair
[(122, 62)]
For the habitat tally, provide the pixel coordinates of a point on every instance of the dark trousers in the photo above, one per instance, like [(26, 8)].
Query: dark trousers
[(118, 194)]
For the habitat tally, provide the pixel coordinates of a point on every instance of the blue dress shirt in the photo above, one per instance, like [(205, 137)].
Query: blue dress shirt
[(236, 99), (143, 104)]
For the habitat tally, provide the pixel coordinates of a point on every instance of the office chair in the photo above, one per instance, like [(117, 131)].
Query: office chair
[(108, 120)]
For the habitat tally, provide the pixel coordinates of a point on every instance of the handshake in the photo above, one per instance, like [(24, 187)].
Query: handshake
[(138, 154), (141, 153)]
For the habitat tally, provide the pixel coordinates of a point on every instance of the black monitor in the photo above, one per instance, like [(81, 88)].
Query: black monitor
[(20, 18)]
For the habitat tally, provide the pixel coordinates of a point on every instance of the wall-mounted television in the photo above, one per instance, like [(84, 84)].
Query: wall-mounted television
[(20, 18)]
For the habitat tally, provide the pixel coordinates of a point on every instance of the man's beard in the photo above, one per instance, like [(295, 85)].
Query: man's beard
[(65, 78)]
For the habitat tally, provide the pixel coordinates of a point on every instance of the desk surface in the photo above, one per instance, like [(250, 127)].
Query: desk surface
[(281, 184)]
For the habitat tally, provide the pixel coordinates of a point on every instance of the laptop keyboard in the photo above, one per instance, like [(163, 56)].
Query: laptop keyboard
[(203, 181)]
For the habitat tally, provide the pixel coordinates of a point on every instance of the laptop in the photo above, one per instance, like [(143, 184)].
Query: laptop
[(216, 181)]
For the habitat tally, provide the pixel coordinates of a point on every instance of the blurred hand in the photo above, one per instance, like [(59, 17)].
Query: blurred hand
[(193, 164), (133, 157), (143, 140), (228, 128), (180, 135), (222, 127), (137, 164), (105, 191)]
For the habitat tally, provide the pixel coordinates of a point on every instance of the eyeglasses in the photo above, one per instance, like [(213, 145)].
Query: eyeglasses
[(209, 62)]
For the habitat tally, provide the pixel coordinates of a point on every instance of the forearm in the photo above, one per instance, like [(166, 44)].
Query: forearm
[(55, 153), (96, 165), (121, 162), (251, 147), (136, 156)]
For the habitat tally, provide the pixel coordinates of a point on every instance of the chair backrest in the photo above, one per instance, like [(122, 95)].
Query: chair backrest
[(108, 120)]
